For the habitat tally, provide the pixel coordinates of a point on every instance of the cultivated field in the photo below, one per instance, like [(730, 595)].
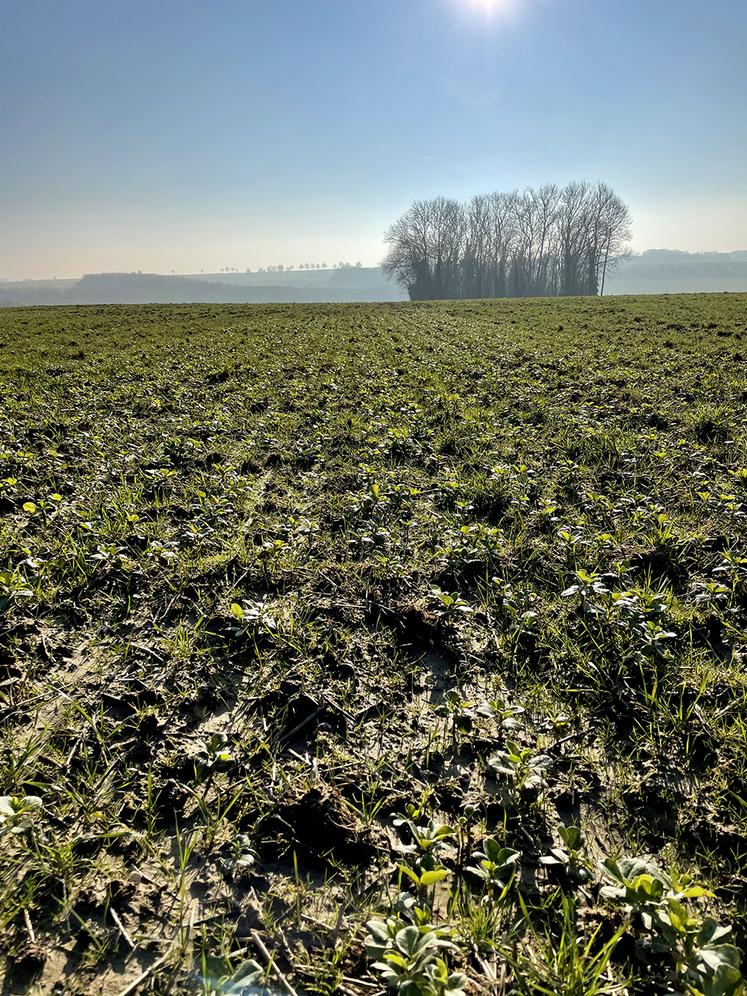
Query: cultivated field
[(427, 615)]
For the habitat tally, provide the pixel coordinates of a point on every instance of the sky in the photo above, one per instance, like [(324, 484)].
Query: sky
[(187, 135)]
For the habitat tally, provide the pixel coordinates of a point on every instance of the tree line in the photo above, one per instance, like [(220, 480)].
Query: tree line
[(544, 241), (306, 266), (282, 268)]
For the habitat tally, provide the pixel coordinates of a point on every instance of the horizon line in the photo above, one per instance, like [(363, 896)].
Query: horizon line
[(297, 269)]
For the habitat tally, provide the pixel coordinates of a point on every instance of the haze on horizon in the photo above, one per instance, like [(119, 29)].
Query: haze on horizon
[(186, 136)]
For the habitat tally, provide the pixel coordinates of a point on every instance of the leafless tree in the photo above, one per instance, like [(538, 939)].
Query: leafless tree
[(543, 241), (426, 249)]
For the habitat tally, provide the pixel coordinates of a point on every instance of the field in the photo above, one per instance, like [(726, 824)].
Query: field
[(426, 617)]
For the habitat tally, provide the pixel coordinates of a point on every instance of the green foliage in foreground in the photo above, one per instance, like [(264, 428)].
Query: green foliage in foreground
[(346, 649)]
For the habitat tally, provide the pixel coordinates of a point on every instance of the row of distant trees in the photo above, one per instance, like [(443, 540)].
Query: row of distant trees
[(543, 241), (281, 268)]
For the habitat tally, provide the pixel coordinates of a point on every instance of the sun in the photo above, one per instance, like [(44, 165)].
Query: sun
[(491, 8)]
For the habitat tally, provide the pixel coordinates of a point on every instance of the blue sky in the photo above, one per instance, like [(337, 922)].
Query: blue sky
[(183, 135)]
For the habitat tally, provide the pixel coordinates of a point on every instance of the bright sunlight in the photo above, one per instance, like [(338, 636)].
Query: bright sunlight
[(492, 8)]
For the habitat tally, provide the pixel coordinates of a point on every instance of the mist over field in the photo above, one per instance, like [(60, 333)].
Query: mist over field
[(652, 272)]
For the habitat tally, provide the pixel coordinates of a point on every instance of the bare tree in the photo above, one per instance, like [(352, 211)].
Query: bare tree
[(406, 260), (504, 234), (544, 241), (615, 231), (426, 249), (571, 222)]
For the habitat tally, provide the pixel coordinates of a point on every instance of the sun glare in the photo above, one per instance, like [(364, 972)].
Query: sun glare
[(491, 8)]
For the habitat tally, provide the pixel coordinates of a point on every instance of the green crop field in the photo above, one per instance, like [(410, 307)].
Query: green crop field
[(354, 647)]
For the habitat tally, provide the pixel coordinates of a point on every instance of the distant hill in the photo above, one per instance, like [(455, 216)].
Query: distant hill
[(667, 271), (290, 286), (657, 271)]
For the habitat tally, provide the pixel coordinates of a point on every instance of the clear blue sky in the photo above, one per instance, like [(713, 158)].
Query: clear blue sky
[(192, 134)]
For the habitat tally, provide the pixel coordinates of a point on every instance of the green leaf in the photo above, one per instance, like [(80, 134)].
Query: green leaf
[(437, 875), (678, 916), (695, 892), (394, 958), (248, 976), (408, 940), (711, 932), (409, 873), (714, 956)]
